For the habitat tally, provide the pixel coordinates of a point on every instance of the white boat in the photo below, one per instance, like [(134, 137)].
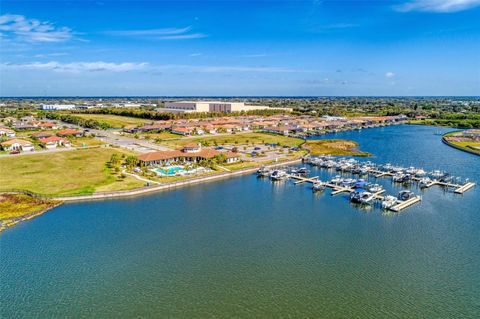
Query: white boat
[(411, 170), (318, 186), (348, 182), (424, 182), (374, 188), (436, 174), (336, 180), (362, 197), (278, 175), (263, 171), (420, 173), (398, 177), (389, 201)]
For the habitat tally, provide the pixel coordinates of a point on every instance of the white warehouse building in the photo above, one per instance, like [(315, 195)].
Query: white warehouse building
[(213, 106), (58, 106)]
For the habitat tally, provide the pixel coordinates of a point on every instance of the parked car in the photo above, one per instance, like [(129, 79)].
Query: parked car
[(14, 152)]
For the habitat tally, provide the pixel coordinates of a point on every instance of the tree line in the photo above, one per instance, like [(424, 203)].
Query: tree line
[(153, 115)]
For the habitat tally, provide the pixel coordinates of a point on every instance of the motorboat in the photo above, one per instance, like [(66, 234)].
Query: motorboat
[(374, 188), (318, 186), (364, 170), (424, 182), (361, 183), (263, 172), (356, 170), (398, 177), (420, 173), (405, 195), (446, 178), (278, 175), (436, 174), (407, 179), (302, 170), (348, 182), (389, 201), (411, 170), (362, 197), (336, 180)]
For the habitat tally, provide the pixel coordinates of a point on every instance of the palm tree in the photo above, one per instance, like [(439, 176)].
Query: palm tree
[(114, 159)]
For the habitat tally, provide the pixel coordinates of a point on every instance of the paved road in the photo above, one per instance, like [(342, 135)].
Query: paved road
[(137, 145), (130, 143)]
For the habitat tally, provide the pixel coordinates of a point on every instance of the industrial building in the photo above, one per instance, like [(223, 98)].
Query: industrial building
[(213, 106)]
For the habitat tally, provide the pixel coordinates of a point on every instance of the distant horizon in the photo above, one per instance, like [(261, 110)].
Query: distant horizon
[(237, 96)]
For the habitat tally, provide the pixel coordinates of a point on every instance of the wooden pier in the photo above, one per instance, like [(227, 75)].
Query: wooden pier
[(406, 203), (464, 188), (301, 179)]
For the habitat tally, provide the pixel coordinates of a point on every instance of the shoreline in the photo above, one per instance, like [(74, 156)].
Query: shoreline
[(141, 191), (11, 224), (464, 149), (172, 185)]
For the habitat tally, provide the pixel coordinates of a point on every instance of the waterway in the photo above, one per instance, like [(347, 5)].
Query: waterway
[(248, 248)]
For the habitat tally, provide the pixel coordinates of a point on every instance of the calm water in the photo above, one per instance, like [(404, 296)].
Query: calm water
[(249, 248)]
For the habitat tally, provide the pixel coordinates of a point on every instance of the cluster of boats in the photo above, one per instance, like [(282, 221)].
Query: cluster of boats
[(405, 175), (361, 191), (281, 174)]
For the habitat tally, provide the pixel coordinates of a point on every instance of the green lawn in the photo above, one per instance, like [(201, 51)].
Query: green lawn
[(334, 147), (153, 136), (63, 173), (235, 140), (85, 141), (115, 121)]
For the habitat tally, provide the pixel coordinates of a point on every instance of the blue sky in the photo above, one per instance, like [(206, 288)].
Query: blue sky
[(84, 48)]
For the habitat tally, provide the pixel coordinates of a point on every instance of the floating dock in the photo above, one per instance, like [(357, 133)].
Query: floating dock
[(464, 188), (406, 203)]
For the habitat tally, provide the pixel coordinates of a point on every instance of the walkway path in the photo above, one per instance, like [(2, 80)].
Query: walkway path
[(141, 178)]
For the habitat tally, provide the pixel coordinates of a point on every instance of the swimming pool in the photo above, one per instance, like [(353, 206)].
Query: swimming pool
[(168, 170)]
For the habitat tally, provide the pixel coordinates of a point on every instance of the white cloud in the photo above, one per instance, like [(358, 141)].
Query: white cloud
[(182, 36), (149, 32), (390, 75), (46, 55), (224, 68), (32, 30), (440, 6), (159, 34), (252, 56), (98, 66), (77, 67)]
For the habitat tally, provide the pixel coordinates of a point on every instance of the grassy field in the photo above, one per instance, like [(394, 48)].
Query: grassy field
[(154, 136), (85, 141), (235, 140), (17, 207), (334, 147), (63, 173), (115, 121)]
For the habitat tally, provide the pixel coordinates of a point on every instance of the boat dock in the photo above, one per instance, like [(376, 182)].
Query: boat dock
[(406, 203), (464, 188), (378, 172), (459, 189)]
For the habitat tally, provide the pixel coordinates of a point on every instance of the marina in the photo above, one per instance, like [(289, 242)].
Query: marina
[(363, 192)]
